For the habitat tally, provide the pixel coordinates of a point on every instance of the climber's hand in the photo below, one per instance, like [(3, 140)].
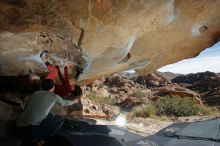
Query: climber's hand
[(76, 101)]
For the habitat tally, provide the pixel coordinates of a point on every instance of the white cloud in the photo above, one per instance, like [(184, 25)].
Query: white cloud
[(208, 60)]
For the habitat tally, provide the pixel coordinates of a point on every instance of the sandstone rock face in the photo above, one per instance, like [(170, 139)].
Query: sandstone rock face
[(201, 82), (113, 35), (213, 97), (131, 102), (95, 110), (176, 90), (152, 80), (121, 90), (206, 83), (168, 75), (197, 77)]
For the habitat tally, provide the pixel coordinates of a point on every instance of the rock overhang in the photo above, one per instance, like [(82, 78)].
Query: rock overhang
[(105, 36)]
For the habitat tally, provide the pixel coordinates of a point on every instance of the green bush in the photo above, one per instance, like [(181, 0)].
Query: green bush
[(204, 110), (177, 106), (100, 100), (138, 94), (144, 111)]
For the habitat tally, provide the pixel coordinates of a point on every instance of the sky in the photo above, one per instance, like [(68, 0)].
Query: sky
[(207, 60)]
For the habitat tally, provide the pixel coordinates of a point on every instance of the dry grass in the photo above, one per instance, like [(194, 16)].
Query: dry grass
[(100, 100)]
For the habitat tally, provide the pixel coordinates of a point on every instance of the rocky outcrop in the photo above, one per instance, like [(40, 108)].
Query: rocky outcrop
[(7, 114), (197, 77), (212, 97), (122, 82), (206, 83), (168, 75), (24, 54), (131, 102), (18, 83), (96, 110), (117, 87), (176, 90), (152, 80), (104, 36), (200, 82)]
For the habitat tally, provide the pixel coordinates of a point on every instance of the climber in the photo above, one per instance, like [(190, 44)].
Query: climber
[(35, 122), (65, 90)]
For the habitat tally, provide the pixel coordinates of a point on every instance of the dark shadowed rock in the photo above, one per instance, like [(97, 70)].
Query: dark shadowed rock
[(206, 83), (197, 77), (7, 113), (212, 97)]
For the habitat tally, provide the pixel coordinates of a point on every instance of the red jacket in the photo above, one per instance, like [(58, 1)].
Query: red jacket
[(63, 89)]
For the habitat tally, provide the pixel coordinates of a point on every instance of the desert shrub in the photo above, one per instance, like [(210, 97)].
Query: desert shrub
[(138, 94), (177, 106), (100, 100), (204, 110), (144, 111)]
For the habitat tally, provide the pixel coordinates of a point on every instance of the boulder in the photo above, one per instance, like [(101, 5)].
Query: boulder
[(7, 114), (95, 110), (212, 97), (102, 92), (131, 102), (176, 90), (152, 80), (104, 36)]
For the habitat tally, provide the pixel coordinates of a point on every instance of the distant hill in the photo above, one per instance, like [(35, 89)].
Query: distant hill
[(168, 75), (195, 77), (205, 83), (201, 82)]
